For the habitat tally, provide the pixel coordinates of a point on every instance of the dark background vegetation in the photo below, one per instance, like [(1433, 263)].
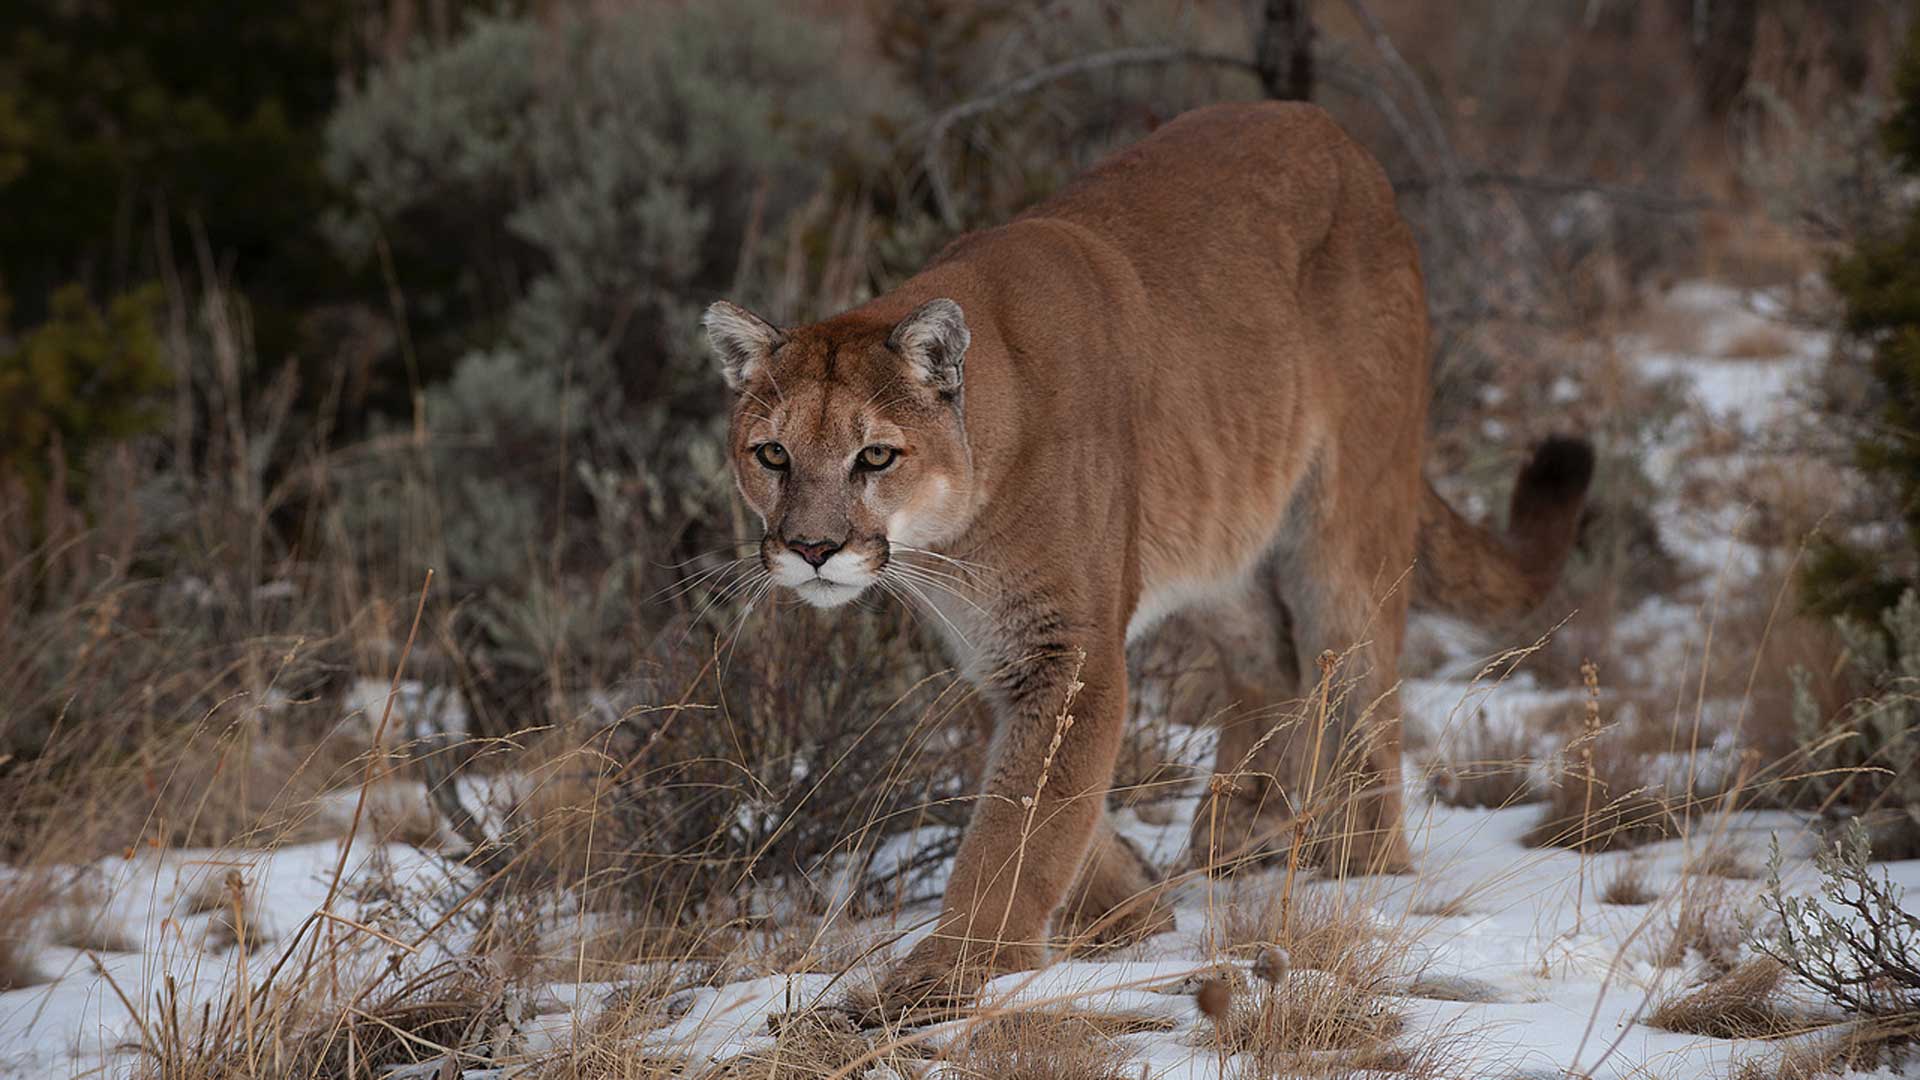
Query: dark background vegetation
[(298, 301)]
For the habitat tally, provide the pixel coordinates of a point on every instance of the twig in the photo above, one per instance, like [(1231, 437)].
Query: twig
[(1143, 56), (1642, 198), (139, 1018), (1441, 144), (1327, 661), (1590, 674), (374, 755)]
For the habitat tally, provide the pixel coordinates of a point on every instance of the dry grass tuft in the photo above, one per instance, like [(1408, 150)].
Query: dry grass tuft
[(81, 921), (1711, 919), (1628, 887), (234, 921), (790, 947), (1762, 342), (1043, 1045), (1444, 907), (1854, 1048), (1722, 862), (606, 1048), (24, 897), (452, 1011), (609, 1058), (1309, 1012), (1324, 931), (1482, 766), (1625, 807), (809, 1046), (1313, 1003), (1736, 1005)]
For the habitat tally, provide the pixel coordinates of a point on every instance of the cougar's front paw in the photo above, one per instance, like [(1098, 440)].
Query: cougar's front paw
[(935, 982)]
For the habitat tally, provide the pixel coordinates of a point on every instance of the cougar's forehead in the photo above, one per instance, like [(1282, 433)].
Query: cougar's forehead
[(829, 391), (818, 414)]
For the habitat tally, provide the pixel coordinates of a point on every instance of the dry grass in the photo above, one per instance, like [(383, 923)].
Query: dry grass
[(1320, 929), (1040, 1045), (1723, 862), (234, 918), (812, 1046), (1628, 886), (1281, 1024), (1764, 342), (607, 1058), (1711, 918), (25, 897), (1455, 906), (1861, 1047), (1739, 1004), (1484, 767), (1624, 808), (82, 920), (451, 1011), (1312, 1002)]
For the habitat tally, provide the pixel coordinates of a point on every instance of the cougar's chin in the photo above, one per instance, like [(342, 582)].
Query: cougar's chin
[(822, 593)]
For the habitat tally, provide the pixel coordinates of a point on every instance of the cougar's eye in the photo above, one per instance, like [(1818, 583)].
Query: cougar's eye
[(875, 458), (772, 455)]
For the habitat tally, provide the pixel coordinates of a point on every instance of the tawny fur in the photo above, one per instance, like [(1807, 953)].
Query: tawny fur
[(1195, 378)]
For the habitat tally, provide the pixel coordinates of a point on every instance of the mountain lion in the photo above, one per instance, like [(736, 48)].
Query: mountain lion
[(1195, 379)]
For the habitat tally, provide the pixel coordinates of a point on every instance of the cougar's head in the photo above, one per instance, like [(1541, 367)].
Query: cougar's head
[(846, 439)]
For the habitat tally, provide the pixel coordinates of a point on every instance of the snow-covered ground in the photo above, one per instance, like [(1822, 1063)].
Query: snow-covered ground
[(1564, 982)]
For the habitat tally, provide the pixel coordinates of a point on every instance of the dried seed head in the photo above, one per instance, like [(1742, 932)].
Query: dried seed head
[(1272, 964), (1214, 997)]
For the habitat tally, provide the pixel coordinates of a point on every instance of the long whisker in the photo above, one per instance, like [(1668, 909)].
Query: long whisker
[(709, 553), (727, 591), (920, 594), (687, 585), (959, 584), (732, 643), (910, 574), (947, 578), (964, 564), (693, 581), (913, 610)]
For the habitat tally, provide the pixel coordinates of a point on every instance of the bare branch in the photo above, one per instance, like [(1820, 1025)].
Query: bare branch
[(1643, 198), (1410, 82), (1146, 56)]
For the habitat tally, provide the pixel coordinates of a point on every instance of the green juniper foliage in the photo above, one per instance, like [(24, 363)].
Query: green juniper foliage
[(80, 379), (1880, 284), (132, 132), (1867, 758)]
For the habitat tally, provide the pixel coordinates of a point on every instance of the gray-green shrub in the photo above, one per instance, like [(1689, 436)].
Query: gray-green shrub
[(557, 200)]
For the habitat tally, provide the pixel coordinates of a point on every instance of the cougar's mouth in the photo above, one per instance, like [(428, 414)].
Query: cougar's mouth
[(839, 580), (824, 593)]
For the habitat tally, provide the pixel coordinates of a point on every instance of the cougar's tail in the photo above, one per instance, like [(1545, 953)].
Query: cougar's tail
[(1468, 571)]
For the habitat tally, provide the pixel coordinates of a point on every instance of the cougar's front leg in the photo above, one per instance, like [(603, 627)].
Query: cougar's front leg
[(1061, 705)]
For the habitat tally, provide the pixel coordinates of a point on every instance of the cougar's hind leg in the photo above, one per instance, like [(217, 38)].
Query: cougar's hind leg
[(1348, 606), (1115, 901), (1244, 818)]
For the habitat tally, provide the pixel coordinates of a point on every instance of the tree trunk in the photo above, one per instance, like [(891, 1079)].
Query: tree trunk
[(1283, 50)]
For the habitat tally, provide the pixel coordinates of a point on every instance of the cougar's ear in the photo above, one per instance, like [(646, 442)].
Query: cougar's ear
[(933, 339), (742, 340)]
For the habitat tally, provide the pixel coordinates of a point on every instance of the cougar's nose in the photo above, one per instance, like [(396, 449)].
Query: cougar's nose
[(816, 552)]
